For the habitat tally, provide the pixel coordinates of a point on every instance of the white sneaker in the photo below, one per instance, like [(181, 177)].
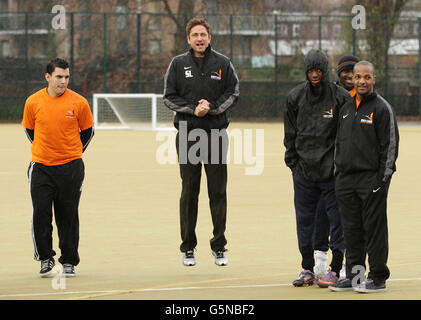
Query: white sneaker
[(320, 267), (188, 258), (220, 258)]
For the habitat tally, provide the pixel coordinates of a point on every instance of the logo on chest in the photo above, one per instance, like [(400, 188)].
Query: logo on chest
[(328, 114), (70, 113), (216, 75), (367, 119), (187, 72)]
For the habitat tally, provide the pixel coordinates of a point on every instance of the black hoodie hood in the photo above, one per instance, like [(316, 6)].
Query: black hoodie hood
[(317, 59)]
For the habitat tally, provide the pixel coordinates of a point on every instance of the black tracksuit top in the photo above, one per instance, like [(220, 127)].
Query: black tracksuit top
[(367, 138), (310, 130), (186, 83)]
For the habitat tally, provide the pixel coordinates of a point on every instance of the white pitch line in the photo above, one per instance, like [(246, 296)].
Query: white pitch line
[(405, 279), (56, 293), (216, 287), (163, 289), (137, 290)]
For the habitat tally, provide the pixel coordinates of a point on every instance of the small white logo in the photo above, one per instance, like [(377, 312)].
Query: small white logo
[(375, 190), (328, 114), (367, 119), (345, 116), (186, 68), (188, 74)]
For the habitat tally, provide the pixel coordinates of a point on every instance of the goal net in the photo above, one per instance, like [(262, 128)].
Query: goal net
[(138, 111)]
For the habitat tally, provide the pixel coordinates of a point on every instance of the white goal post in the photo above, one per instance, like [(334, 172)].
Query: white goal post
[(137, 111)]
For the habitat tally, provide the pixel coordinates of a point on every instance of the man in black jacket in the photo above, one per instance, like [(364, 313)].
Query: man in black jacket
[(345, 72), (366, 151), (310, 121), (200, 86)]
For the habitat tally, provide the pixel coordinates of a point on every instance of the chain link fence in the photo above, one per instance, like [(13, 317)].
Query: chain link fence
[(129, 53)]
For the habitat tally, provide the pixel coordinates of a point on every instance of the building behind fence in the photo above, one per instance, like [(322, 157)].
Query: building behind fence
[(125, 52)]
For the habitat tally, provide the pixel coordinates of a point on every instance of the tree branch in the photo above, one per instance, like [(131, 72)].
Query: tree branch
[(172, 15)]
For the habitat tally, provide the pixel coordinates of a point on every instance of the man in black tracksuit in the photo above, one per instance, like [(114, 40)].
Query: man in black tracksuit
[(310, 120), (321, 231), (366, 151), (200, 86)]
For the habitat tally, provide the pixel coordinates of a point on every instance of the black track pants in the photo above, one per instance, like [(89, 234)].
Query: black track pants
[(307, 195), (57, 187), (216, 175), (363, 206), (321, 228)]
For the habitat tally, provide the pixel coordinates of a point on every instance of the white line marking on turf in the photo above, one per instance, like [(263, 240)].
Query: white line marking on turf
[(201, 288), (137, 290), (164, 289), (55, 293)]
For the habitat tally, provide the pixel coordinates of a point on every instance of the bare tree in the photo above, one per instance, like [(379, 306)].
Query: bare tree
[(185, 10)]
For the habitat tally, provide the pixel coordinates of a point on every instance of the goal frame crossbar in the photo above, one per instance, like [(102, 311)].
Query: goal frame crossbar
[(124, 126)]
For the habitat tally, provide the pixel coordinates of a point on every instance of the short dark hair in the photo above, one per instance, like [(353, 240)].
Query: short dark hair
[(365, 63), (56, 63), (197, 21)]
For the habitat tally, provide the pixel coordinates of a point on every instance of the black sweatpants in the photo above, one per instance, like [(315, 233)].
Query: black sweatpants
[(363, 205), (216, 174), (307, 195), (321, 228), (58, 187)]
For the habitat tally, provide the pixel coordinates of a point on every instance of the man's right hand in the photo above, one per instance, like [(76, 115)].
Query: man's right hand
[(201, 110)]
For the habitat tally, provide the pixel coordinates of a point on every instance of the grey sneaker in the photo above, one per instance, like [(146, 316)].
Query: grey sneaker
[(188, 258), (220, 258), (69, 270), (329, 279), (369, 286), (47, 268), (306, 278), (342, 285)]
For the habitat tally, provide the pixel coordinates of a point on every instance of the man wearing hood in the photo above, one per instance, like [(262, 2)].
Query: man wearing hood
[(310, 122), (345, 72)]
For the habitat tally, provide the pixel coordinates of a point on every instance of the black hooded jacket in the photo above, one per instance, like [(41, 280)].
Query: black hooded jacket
[(310, 122), (186, 82)]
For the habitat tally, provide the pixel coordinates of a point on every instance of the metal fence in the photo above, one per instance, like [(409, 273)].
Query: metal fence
[(129, 53)]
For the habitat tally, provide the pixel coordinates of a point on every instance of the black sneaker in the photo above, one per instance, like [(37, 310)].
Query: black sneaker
[(370, 286), (342, 285), (47, 268), (69, 270)]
